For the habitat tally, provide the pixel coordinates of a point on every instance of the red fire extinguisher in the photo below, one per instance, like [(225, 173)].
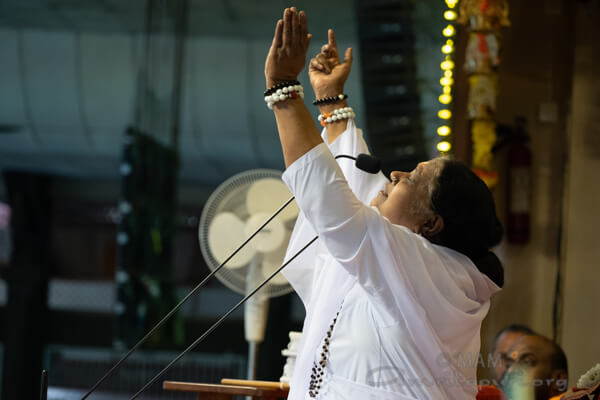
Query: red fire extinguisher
[(519, 185)]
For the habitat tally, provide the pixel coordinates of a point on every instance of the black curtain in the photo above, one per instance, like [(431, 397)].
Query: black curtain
[(26, 313)]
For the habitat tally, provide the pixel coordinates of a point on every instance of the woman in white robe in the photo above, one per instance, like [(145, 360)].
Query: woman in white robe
[(390, 313)]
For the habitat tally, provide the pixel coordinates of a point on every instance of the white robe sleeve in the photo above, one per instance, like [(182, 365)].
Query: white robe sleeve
[(340, 219), (300, 272)]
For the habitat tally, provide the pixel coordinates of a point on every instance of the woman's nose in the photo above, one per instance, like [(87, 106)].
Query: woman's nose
[(396, 175)]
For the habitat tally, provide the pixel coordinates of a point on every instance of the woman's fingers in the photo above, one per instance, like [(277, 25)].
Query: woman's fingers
[(287, 55), (287, 28), (305, 36), (347, 64), (314, 64), (321, 59), (348, 57), (296, 37), (277, 38), (332, 43)]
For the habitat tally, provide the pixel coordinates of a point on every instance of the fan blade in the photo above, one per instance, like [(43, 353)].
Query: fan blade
[(272, 235), (274, 259), (267, 195), (225, 233)]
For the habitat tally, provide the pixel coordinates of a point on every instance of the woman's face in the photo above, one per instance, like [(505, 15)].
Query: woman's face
[(406, 199)]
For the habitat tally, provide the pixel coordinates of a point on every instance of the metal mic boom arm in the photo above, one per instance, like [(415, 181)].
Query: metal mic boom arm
[(219, 322), (195, 289), (241, 302), (178, 305)]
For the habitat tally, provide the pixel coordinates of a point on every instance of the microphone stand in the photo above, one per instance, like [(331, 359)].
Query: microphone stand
[(368, 169), (44, 386), (178, 305), (219, 322), (160, 323)]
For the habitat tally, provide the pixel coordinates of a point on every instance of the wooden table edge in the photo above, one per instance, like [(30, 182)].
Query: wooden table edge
[(220, 388)]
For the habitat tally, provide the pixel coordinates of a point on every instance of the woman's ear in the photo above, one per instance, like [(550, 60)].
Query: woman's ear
[(432, 226)]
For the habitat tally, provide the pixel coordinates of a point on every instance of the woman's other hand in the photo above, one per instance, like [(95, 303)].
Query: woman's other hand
[(327, 74)]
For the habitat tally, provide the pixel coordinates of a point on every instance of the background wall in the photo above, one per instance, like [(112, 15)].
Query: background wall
[(534, 71), (581, 270), (537, 80)]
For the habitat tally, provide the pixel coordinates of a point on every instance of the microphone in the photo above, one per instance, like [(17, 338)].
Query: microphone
[(364, 162), (368, 163)]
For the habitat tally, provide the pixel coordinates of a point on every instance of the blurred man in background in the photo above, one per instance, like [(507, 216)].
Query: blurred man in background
[(536, 369), (503, 341)]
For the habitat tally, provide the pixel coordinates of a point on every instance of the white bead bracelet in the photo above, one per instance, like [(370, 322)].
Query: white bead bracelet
[(336, 115), (288, 92)]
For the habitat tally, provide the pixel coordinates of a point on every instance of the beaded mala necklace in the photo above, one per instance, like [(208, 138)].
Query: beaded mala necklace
[(316, 377)]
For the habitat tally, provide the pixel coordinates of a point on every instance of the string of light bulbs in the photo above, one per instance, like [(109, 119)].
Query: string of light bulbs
[(447, 79)]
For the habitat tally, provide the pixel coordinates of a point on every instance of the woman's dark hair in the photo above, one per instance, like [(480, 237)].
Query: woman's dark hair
[(471, 226)]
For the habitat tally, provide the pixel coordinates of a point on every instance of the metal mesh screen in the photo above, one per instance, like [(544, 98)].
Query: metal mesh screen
[(72, 371)]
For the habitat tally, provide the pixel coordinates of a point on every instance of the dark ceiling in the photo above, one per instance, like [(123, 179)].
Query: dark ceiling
[(206, 18), (68, 82)]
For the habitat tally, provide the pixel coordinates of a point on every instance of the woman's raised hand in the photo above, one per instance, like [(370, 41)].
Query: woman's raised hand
[(287, 54), (327, 74)]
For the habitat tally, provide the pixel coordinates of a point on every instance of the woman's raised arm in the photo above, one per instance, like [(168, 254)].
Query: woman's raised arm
[(287, 57)]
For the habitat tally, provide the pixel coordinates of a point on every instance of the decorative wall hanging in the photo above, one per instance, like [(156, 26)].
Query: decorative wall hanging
[(483, 19)]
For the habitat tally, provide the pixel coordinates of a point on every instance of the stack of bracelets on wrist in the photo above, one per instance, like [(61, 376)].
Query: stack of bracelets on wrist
[(332, 99), (283, 91), (281, 85), (336, 115)]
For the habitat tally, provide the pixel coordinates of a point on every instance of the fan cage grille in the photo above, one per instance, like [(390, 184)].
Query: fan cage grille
[(234, 188)]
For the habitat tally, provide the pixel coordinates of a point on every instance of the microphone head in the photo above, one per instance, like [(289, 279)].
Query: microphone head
[(368, 163)]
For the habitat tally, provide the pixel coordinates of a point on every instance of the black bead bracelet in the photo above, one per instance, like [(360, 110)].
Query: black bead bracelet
[(281, 85), (332, 99)]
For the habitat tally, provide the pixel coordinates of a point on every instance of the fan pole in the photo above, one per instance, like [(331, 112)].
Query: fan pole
[(255, 314), (252, 359)]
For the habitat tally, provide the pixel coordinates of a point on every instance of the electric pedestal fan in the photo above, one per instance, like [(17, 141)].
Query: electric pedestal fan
[(238, 207)]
